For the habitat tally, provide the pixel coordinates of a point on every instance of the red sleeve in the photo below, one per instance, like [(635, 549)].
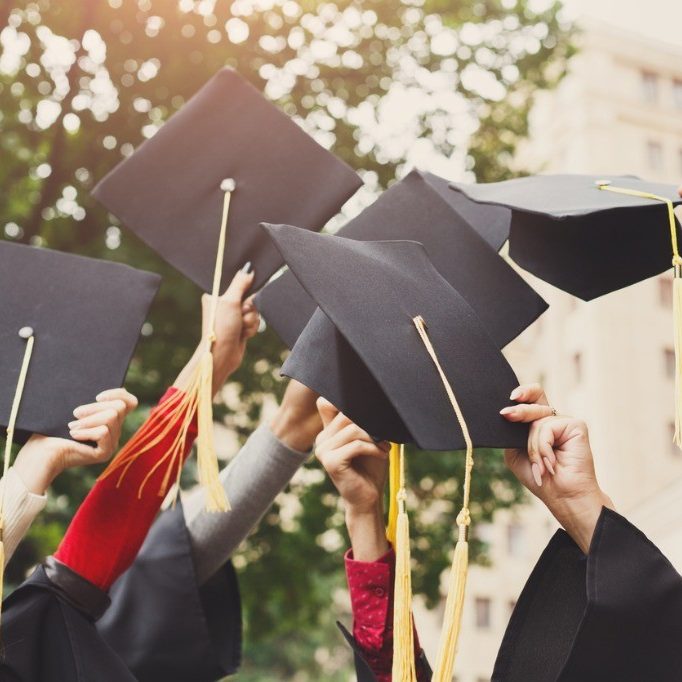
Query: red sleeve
[(371, 595), (110, 526)]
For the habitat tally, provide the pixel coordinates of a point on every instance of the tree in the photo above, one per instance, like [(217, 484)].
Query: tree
[(82, 84)]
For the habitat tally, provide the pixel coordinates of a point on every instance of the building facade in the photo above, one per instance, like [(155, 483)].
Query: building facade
[(610, 361)]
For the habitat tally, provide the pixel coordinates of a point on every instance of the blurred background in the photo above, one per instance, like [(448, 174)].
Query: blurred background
[(469, 89)]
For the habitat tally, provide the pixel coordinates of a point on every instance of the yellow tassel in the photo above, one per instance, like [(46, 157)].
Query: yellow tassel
[(677, 331), (454, 605), (197, 397), (393, 487), (677, 292), (24, 333), (404, 669)]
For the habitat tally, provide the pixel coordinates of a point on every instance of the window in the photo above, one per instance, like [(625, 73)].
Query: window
[(515, 544), (482, 610), (669, 360), (578, 367), (677, 94), (654, 155), (665, 292), (649, 87)]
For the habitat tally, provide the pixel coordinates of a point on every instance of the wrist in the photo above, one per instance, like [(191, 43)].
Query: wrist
[(38, 468), (579, 514), (297, 430), (367, 532)]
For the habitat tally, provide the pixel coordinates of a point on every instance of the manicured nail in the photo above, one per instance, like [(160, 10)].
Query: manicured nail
[(515, 394), (549, 465), (73, 425), (508, 410), (535, 468), (78, 412), (246, 269)]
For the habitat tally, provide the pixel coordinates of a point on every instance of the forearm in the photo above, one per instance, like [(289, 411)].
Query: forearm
[(259, 472), (20, 508), (367, 533)]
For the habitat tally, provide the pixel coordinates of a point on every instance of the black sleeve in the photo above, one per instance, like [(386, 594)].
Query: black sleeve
[(364, 672), (613, 615), (162, 623)]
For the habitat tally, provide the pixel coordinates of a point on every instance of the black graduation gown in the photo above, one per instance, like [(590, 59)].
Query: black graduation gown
[(160, 626), (614, 615)]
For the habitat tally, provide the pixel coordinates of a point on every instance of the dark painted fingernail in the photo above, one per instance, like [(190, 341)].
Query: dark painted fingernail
[(246, 269)]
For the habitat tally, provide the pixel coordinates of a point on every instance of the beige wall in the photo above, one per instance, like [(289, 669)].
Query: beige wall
[(603, 361)]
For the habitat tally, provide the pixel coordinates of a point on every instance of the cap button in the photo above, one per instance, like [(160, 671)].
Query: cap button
[(26, 332), (228, 185)]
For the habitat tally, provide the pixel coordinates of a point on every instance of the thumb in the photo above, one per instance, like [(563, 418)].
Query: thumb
[(239, 286), (327, 411)]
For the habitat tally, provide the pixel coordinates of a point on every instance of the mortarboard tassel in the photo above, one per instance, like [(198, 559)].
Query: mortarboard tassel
[(454, 605), (404, 669), (195, 398), (24, 333), (393, 487), (677, 294)]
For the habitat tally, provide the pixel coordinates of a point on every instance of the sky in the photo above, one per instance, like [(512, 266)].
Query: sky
[(657, 19)]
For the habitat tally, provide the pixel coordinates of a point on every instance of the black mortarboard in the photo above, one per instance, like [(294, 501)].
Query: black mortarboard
[(169, 190), (371, 291), (434, 361), (86, 317), (420, 207), (580, 238)]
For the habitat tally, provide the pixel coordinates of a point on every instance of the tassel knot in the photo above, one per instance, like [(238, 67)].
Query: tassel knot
[(464, 518)]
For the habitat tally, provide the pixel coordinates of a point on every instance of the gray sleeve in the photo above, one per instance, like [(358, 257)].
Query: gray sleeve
[(259, 472)]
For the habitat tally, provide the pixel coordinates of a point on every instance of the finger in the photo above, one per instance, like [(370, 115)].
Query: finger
[(679, 191), (118, 394), (251, 319), (249, 304), (95, 434), (537, 465), (119, 406), (529, 393), (327, 411), (526, 413), (106, 417), (239, 285), (347, 434), (340, 459), (546, 439)]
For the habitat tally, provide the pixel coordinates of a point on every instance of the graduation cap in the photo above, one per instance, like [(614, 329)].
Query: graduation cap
[(590, 235), (68, 328), (431, 355), (196, 192), (227, 139), (421, 207)]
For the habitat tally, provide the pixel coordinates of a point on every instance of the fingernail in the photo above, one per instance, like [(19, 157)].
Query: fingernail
[(508, 410), (535, 468), (549, 465), (246, 269), (77, 412), (73, 425), (515, 394)]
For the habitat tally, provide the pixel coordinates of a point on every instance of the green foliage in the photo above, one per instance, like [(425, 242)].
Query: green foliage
[(82, 83)]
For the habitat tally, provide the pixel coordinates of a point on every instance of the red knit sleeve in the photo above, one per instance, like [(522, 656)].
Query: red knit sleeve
[(110, 526)]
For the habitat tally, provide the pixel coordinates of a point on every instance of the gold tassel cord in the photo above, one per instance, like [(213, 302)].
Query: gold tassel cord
[(404, 668), (26, 333), (393, 487), (454, 605), (677, 293), (195, 398)]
